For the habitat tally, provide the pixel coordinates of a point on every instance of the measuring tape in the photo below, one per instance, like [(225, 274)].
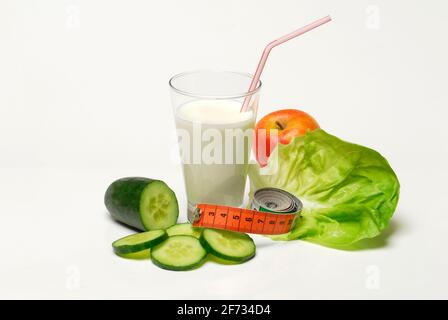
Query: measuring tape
[(273, 212)]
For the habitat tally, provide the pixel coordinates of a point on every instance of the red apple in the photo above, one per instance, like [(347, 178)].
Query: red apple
[(289, 123)]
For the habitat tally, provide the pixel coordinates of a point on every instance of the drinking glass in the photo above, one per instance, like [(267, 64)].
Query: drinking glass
[(214, 136)]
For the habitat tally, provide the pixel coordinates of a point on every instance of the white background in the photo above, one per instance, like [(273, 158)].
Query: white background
[(84, 100)]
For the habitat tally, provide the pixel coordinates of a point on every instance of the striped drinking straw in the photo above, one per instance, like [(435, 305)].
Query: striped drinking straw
[(273, 44)]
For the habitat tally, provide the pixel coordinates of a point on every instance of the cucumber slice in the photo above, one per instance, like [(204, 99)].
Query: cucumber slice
[(139, 241), (142, 203), (185, 229), (141, 255), (227, 245), (179, 253)]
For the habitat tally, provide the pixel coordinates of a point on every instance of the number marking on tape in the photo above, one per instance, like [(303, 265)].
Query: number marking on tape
[(243, 220)]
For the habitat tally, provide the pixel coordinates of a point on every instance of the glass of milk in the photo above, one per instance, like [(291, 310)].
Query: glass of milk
[(214, 136)]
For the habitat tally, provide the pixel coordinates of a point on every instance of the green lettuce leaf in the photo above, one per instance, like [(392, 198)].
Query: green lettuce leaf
[(349, 192)]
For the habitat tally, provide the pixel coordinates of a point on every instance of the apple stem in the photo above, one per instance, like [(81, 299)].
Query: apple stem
[(279, 125)]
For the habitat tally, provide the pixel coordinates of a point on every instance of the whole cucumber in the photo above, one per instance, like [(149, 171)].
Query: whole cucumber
[(142, 203)]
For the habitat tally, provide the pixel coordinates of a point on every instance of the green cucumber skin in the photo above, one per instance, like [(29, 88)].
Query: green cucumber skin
[(122, 199), (212, 251), (184, 268), (139, 247)]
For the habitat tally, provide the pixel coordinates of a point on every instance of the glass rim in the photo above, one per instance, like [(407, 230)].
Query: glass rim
[(204, 96)]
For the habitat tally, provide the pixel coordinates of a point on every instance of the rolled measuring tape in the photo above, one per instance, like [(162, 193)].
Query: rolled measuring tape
[(273, 211)]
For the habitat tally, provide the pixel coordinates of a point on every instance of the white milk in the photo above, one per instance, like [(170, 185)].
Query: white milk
[(209, 177)]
